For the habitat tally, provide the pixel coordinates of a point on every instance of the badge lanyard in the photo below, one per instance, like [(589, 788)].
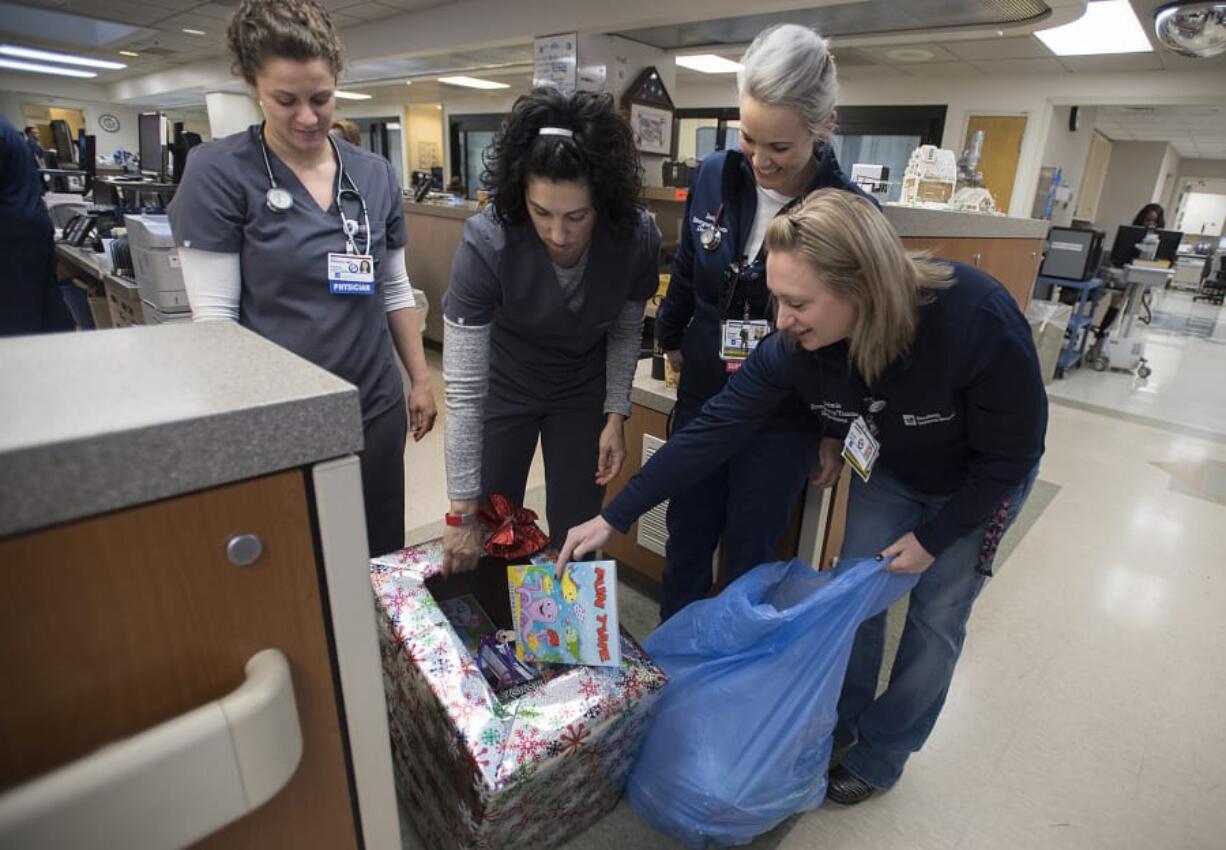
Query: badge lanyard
[(861, 448)]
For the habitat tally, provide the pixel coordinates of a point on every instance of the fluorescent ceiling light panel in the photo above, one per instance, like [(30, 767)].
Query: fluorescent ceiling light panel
[(35, 68), (709, 63), (190, 31), (62, 58), (1108, 26), (352, 95), (128, 53), (472, 83)]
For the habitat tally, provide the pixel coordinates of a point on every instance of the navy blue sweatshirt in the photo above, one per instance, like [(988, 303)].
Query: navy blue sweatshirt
[(965, 414), (689, 317)]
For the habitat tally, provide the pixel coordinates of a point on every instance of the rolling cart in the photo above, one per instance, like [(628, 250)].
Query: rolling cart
[(1079, 325)]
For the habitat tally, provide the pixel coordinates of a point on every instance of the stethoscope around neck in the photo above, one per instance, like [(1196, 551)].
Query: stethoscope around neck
[(280, 200)]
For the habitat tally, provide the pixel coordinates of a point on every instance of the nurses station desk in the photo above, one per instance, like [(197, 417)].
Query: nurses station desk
[(187, 621)]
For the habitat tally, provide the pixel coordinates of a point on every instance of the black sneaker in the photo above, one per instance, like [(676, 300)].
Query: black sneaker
[(847, 789)]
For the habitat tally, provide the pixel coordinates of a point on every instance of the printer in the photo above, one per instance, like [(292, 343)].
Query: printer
[(155, 260)]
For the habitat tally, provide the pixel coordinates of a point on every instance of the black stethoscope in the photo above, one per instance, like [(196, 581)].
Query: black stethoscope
[(279, 200)]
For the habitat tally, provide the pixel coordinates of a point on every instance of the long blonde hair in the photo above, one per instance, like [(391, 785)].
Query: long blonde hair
[(857, 254)]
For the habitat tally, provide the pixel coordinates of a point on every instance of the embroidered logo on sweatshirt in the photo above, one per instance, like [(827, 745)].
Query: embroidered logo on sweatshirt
[(913, 421)]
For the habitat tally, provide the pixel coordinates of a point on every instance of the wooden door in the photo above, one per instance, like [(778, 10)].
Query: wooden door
[(114, 624), (1002, 147)]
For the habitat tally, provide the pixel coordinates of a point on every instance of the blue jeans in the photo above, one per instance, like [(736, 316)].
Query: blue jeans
[(885, 730), (748, 501)]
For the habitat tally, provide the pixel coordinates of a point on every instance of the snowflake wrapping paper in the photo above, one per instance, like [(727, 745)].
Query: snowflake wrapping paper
[(479, 774)]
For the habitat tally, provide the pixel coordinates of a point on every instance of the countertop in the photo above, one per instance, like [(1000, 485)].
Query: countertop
[(956, 224), (463, 211), (96, 421), (86, 260), (649, 392)]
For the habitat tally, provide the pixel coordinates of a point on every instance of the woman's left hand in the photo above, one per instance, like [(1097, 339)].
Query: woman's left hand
[(612, 450), (909, 556), (421, 409)]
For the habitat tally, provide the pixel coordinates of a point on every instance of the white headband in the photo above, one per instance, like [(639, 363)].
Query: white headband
[(556, 131)]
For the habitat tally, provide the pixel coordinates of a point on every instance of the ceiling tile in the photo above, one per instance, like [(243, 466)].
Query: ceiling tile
[(1021, 66), (1108, 64), (415, 5), (999, 48), (882, 54), (938, 69), (370, 11)]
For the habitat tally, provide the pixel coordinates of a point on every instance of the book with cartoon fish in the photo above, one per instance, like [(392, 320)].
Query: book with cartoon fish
[(571, 620)]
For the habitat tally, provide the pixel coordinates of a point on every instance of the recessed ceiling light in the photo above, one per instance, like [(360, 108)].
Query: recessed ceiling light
[(62, 58), (35, 68), (708, 63), (472, 83), (909, 54), (408, 82), (1108, 26), (128, 53), (352, 95), (190, 31)]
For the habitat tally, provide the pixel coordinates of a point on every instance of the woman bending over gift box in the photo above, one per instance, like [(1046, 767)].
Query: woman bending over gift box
[(924, 377), (543, 317)]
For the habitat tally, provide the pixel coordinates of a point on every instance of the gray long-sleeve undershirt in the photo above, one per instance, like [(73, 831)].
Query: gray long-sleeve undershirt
[(466, 370)]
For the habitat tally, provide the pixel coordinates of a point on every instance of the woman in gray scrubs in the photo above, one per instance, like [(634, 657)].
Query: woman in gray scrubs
[(301, 239), (543, 318)]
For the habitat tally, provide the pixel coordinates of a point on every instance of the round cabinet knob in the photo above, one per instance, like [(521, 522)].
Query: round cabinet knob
[(243, 550)]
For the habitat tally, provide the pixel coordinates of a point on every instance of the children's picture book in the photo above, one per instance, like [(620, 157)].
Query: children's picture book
[(571, 620), (468, 619)]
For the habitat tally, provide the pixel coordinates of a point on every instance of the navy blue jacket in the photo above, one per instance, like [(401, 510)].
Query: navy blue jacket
[(965, 415), (690, 314)]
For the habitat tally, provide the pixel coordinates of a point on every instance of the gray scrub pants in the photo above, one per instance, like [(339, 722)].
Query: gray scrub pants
[(570, 443), (382, 462)]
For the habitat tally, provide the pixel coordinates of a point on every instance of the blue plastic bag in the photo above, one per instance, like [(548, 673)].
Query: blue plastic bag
[(742, 734)]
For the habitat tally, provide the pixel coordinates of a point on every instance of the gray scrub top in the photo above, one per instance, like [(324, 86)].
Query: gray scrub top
[(220, 206), (542, 351)]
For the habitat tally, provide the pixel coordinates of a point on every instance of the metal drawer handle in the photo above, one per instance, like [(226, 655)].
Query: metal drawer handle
[(243, 550), (171, 785), (977, 258)]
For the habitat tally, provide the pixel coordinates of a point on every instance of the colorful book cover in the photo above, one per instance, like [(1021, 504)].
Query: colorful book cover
[(572, 620), (468, 619)]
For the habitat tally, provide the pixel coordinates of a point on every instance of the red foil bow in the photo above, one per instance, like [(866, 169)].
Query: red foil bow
[(513, 531)]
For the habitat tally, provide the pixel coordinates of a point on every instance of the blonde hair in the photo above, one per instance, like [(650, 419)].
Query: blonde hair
[(857, 254), (349, 131)]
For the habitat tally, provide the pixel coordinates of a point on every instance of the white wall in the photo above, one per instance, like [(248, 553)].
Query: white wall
[(231, 112), (1134, 178), (1164, 191), (1204, 214), (1203, 168), (1035, 96), (1067, 151), (17, 91)]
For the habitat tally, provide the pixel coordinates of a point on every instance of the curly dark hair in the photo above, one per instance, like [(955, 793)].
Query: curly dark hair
[(1139, 221), (601, 152), (281, 29)]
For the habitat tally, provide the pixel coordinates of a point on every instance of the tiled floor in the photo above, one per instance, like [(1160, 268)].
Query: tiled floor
[(1087, 709), (1186, 348)]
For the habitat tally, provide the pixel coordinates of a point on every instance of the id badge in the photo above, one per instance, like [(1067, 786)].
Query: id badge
[(861, 448), (739, 338), (351, 274)]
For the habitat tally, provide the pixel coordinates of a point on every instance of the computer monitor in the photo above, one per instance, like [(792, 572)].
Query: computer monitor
[(152, 138), (1125, 248)]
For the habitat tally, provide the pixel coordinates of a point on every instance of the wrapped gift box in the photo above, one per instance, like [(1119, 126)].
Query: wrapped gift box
[(477, 772)]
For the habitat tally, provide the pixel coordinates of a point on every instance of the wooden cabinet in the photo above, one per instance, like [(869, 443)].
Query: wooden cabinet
[(1014, 262), (114, 624), (625, 547)]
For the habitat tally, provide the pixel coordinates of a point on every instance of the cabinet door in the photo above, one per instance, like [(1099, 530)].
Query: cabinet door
[(114, 624), (625, 547), (1014, 262)]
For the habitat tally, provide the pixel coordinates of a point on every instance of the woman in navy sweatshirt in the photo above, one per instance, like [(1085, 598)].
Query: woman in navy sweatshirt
[(928, 366)]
